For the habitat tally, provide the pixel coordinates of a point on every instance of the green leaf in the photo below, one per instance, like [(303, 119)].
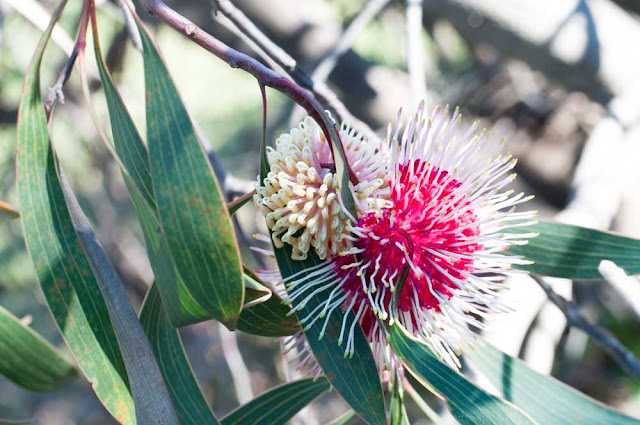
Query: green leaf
[(356, 379), (9, 210), (192, 211), (397, 410), (545, 399), (268, 318), (127, 143), (277, 406), (69, 287), (344, 419), (8, 422), (469, 404), (28, 360), (264, 315), (180, 304), (189, 402), (254, 291), (573, 252), (238, 203)]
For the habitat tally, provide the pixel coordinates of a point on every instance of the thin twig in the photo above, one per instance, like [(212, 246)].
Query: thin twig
[(608, 342), (35, 13), (266, 76), (329, 62), (130, 25), (431, 414), (415, 55), (55, 94), (239, 373), (625, 285), (263, 45)]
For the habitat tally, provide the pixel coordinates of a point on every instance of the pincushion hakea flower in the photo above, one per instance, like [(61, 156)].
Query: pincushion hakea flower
[(440, 238), (430, 252), (300, 197)]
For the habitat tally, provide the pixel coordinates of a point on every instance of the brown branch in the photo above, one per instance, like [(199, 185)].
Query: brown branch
[(329, 62), (266, 76), (609, 343), (317, 86)]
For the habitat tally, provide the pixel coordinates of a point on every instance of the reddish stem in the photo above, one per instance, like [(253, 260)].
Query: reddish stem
[(237, 59)]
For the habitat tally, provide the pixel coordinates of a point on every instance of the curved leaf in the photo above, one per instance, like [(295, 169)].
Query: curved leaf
[(469, 404), (187, 397), (65, 276), (277, 406), (268, 318), (192, 211), (572, 252), (180, 305), (28, 360), (356, 379), (545, 399)]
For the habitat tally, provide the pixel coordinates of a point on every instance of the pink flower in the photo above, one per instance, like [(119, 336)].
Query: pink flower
[(434, 255)]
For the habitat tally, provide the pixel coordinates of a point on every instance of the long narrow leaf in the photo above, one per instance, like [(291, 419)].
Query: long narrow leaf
[(150, 396), (192, 211), (190, 404), (28, 360), (181, 306), (277, 406), (548, 401), (469, 404), (573, 252), (65, 276), (355, 379), (127, 142)]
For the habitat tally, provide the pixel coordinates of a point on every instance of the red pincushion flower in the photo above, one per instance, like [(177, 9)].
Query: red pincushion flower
[(439, 242)]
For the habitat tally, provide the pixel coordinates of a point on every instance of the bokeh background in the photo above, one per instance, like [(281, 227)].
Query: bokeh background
[(558, 80)]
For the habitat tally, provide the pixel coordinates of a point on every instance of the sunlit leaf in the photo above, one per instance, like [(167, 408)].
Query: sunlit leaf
[(545, 399), (190, 404), (469, 404), (69, 287), (355, 379), (191, 207), (277, 406), (573, 252), (397, 411), (28, 360), (182, 307)]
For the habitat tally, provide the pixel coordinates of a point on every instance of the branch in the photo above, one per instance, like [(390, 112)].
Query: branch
[(240, 375), (415, 56), (273, 52), (326, 65), (263, 74), (603, 337), (601, 66), (627, 286)]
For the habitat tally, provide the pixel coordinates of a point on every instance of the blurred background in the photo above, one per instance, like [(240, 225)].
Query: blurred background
[(559, 80)]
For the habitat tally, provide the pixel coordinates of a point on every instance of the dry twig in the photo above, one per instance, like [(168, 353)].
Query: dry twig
[(315, 84), (609, 343)]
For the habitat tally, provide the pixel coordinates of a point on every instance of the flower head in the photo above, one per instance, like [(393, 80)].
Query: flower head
[(300, 197), (434, 256)]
